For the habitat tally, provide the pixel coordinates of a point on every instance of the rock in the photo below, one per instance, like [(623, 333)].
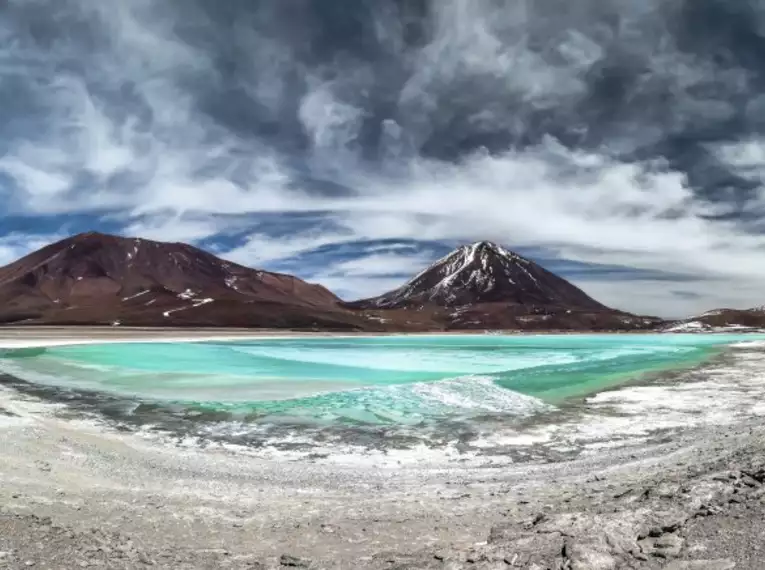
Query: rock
[(638, 555), (475, 557), (708, 510), (667, 541), (756, 474), (294, 561), (502, 533), (747, 481), (722, 564), (668, 546), (541, 517), (588, 557)]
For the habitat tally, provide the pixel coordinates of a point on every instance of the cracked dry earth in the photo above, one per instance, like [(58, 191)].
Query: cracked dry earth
[(696, 503)]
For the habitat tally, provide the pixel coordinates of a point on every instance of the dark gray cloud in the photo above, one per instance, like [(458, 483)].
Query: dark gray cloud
[(617, 133), (369, 80)]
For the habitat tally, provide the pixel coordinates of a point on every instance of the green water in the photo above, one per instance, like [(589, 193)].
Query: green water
[(366, 379)]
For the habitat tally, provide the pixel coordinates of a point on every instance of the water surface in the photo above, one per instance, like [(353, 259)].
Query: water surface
[(376, 380)]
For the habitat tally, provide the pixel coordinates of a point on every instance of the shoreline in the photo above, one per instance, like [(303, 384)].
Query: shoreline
[(45, 335), (150, 505)]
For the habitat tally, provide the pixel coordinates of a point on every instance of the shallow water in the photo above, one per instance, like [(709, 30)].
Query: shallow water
[(375, 380), (478, 400)]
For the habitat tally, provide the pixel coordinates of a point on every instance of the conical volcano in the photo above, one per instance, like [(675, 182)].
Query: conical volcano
[(485, 272)]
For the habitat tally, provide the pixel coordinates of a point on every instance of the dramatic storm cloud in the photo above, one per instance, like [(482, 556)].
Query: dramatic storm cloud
[(620, 143)]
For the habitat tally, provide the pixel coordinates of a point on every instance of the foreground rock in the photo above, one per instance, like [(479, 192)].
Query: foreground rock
[(688, 507)]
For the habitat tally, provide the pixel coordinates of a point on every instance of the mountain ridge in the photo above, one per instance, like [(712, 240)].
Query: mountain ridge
[(95, 278)]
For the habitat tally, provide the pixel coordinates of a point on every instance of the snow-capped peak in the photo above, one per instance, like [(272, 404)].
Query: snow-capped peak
[(484, 249), (474, 265), (483, 272)]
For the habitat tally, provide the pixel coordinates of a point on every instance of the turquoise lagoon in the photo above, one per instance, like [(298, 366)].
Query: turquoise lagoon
[(361, 380)]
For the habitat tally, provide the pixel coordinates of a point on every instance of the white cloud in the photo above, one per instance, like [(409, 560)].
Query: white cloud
[(16, 245), (350, 288), (333, 125), (374, 272), (383, 264), (260, 249), (39, 181), (745, 157), (188, 229)]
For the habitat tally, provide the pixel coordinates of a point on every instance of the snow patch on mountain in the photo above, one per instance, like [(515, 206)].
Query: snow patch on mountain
[(140, 294), (197, 303), (187, 294), (688, 327)]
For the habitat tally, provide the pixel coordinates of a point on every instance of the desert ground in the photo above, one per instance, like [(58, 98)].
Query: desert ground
[(77, 494)]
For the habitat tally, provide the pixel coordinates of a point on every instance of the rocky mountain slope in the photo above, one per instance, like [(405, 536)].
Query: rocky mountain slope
[(99, 279), (484, 285)]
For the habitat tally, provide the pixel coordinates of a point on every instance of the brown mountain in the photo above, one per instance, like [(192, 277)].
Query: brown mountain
[(97, 278), (484, 285)]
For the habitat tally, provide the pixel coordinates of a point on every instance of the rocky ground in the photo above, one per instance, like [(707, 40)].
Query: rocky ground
[(73, 497)]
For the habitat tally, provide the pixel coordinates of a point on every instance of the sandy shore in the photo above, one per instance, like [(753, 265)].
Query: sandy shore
[(15, 337), (77, 494)]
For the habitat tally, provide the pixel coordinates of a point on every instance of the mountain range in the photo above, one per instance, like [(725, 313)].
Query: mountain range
[(99, 279)]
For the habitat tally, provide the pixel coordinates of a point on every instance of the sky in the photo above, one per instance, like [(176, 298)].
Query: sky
[(620, 143)]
